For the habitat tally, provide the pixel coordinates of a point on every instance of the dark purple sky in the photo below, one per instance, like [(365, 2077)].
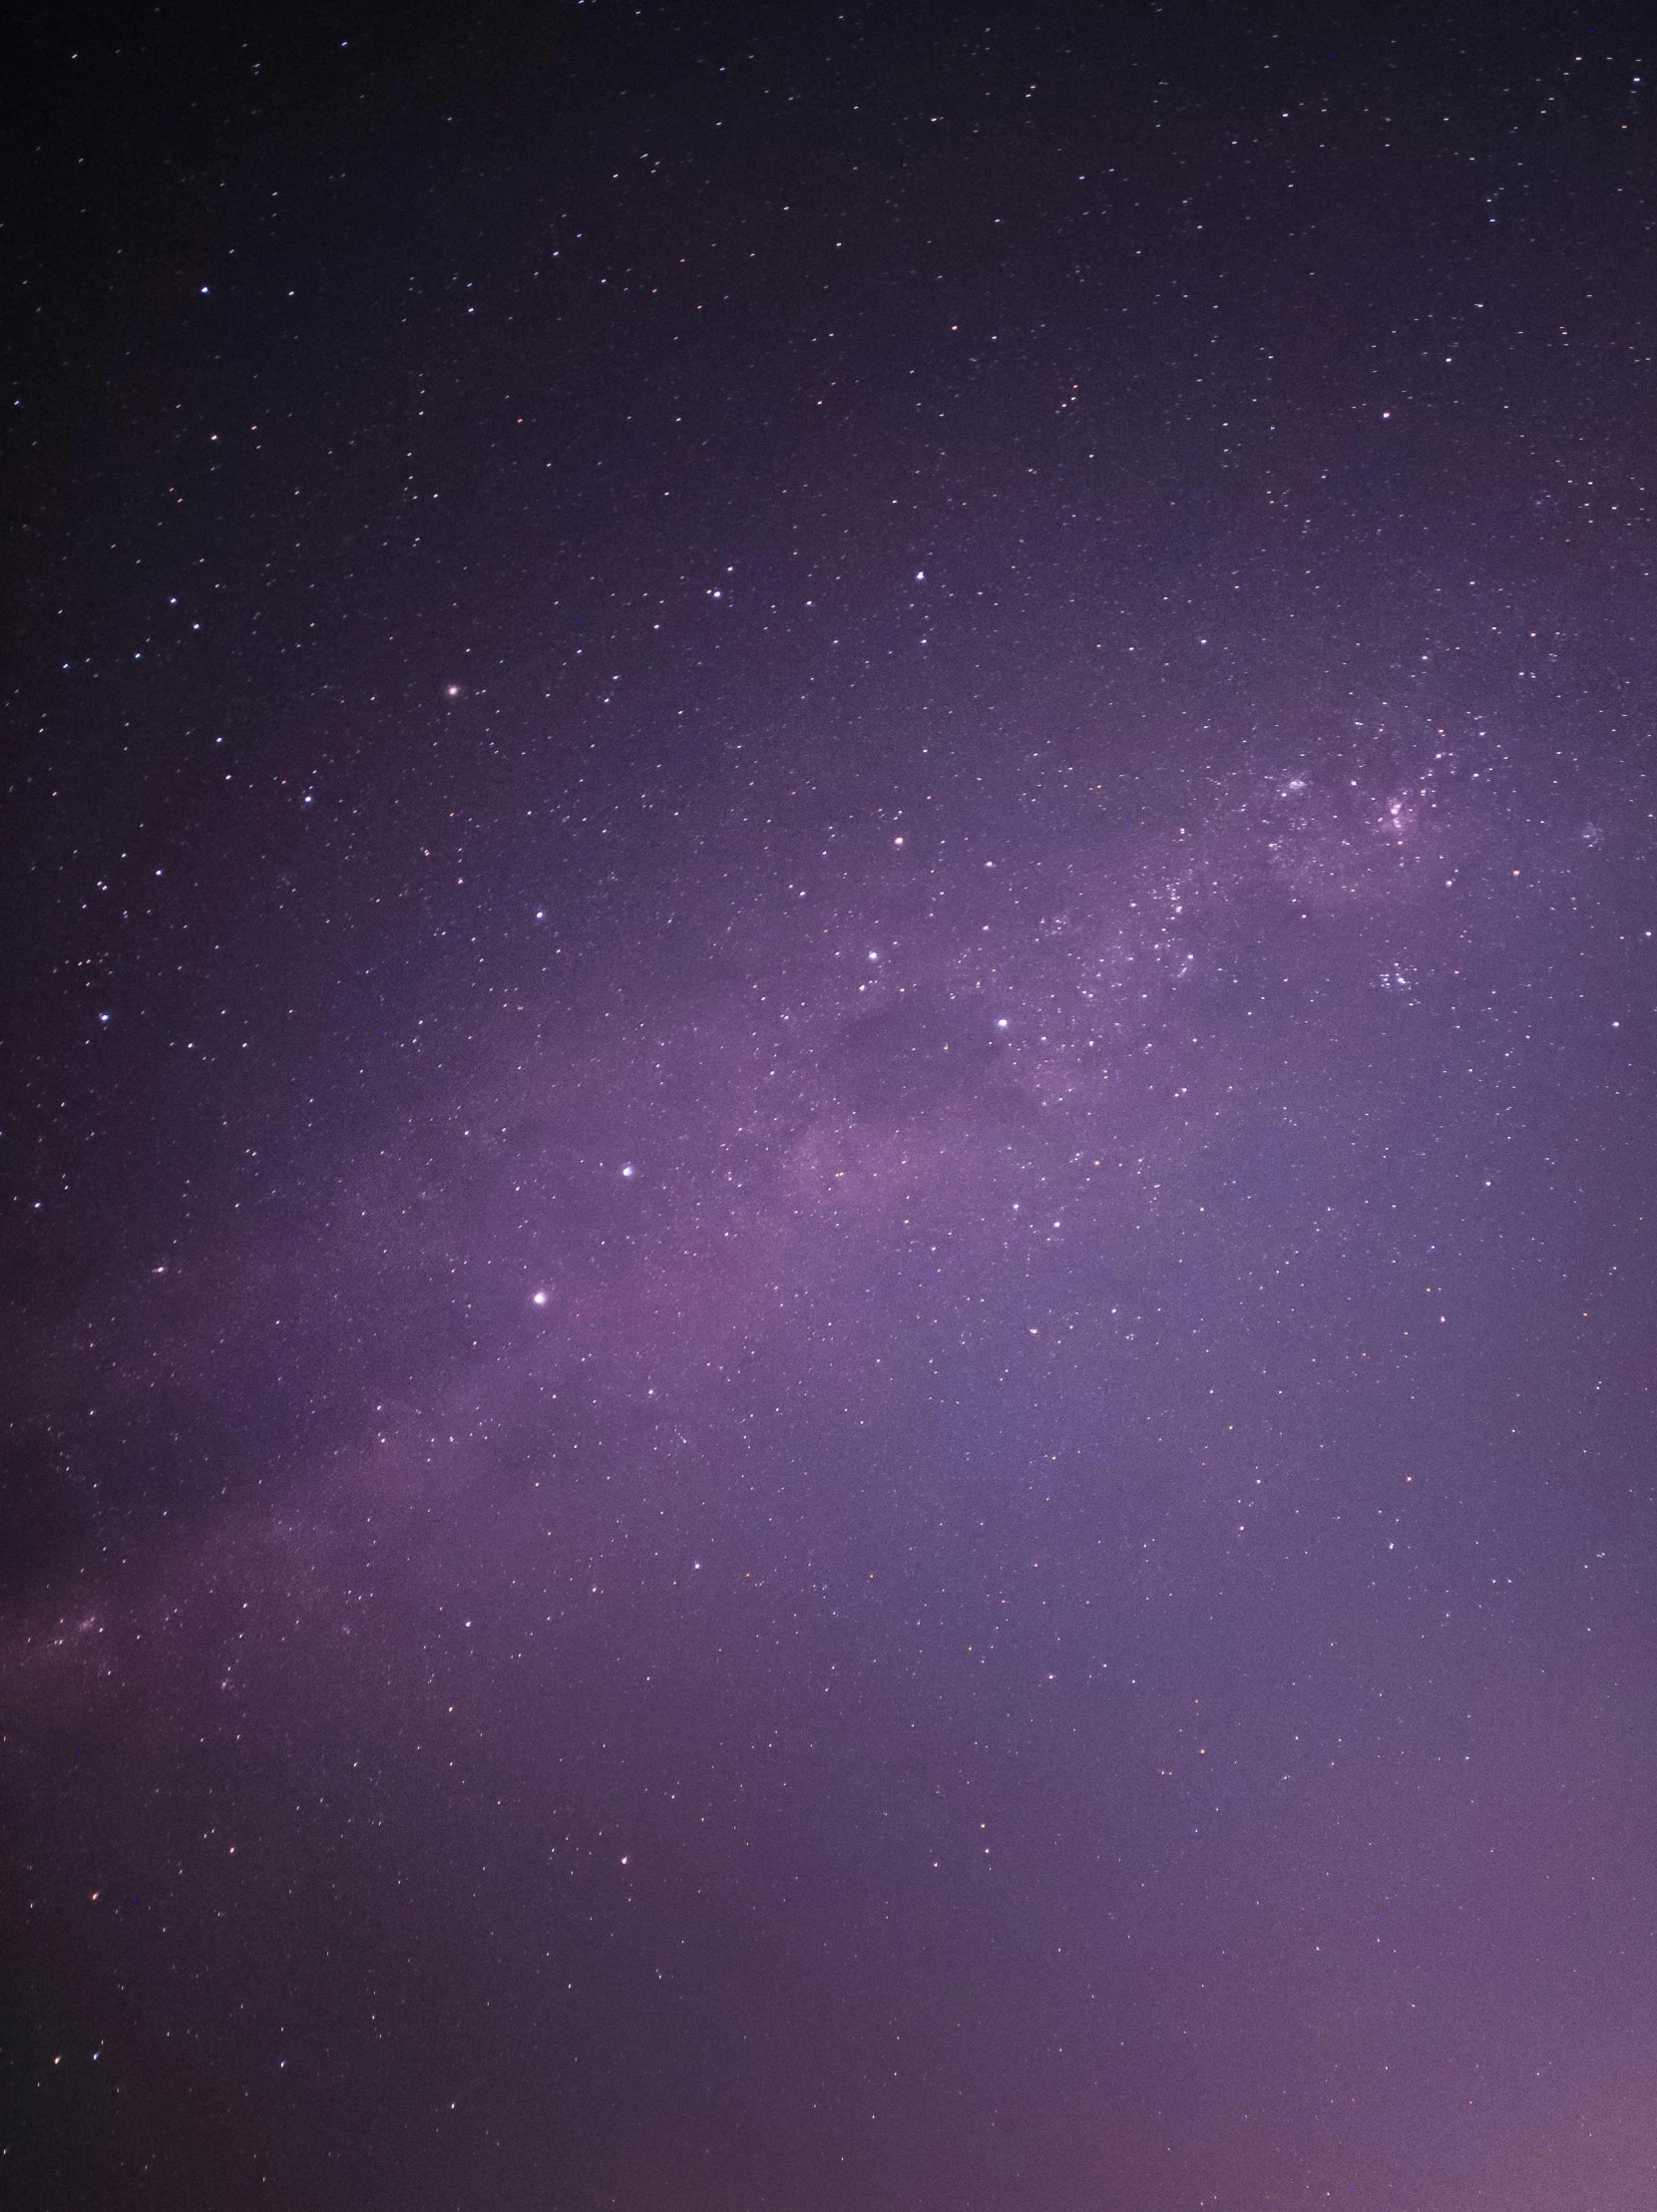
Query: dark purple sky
[(828, 1112)]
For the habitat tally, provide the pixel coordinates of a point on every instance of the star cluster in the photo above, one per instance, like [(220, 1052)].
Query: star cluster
[(828, 1137)]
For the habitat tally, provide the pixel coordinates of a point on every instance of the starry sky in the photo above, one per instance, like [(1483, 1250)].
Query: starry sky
[(826, 1110)]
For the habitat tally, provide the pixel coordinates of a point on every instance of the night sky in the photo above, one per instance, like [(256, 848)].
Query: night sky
[(830, 1318)]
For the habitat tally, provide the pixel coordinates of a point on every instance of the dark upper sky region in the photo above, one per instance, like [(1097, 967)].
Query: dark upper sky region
[(828, 1111)]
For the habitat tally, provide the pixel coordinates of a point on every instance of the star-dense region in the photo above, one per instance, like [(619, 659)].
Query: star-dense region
[(828, 1113)]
